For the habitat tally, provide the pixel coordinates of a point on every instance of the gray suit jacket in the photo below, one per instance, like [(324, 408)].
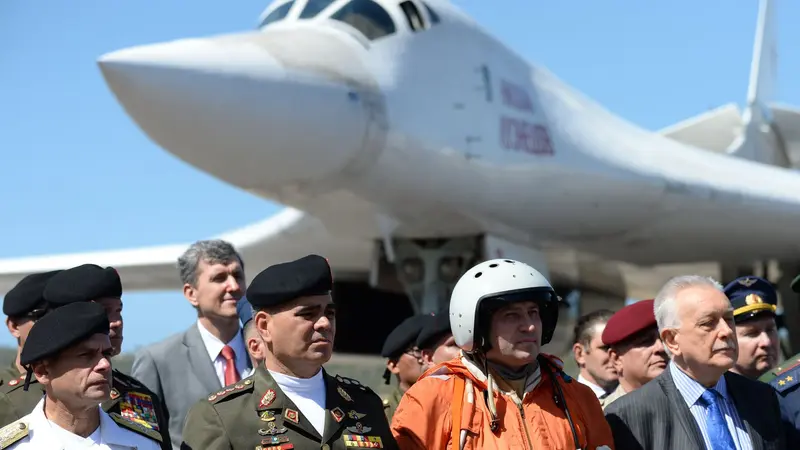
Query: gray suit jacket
[(179, 370), (656, 417)]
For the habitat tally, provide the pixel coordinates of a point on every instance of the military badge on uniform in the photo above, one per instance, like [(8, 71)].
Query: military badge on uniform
[(271, 430), (359, 428), (291, 415), (337, 414), (747, 282), (138, 407), (267, 399), (114, 393), (267, 416), (355, 415), (344, 394), (351, 440), (752, 299)]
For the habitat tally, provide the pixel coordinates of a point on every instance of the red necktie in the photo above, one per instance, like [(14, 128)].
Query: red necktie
[(231, 375)]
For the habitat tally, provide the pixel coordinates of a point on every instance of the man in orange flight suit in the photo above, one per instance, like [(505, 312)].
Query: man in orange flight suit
[(501, 391)]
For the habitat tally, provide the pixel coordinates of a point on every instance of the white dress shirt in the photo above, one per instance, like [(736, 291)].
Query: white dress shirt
[(44, 434), (691, 391), (598, 391), (214, 348)]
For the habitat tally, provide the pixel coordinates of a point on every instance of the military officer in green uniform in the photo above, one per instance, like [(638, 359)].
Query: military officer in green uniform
[(785, 379), (129, 397), (404, 359), (291, 402), (23, 305)]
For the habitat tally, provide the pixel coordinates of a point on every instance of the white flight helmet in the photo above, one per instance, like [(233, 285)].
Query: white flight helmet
[(501, 280)]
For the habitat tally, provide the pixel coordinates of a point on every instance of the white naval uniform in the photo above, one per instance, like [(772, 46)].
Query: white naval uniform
[(44, 434)]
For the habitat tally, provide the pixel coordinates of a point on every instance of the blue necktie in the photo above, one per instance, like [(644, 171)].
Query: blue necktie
[(717, 427)]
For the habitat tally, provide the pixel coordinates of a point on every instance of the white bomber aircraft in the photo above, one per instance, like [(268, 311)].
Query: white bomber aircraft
[(401, 135)]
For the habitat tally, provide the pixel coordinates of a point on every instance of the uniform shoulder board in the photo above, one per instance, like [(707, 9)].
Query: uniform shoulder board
[(126, 382), (136, 427), (351, 382), (245, 385), (13, 432), (781, 370), (14, 384), (786, 379)]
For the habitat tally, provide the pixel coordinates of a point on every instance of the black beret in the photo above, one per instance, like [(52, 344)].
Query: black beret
[(83, 284), (278, 284), (245, 311), (750, 297), (404, 335), (61, 328), (27, 294), (434, 330)]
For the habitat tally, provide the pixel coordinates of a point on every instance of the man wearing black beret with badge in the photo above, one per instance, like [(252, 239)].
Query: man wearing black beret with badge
[(129, 397), (69, 351), (291, 402), (23, 305), (404, 359)]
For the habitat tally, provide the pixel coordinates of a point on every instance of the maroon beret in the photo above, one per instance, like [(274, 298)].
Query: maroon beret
[(628, 321)]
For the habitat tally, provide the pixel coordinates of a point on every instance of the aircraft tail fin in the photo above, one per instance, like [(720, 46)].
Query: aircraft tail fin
[(760, 139), (764, 132)]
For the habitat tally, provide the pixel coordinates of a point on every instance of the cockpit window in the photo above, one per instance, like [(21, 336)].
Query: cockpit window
[(413, 16), (313, 7), (277, 14), (432, 14), (367, 17)]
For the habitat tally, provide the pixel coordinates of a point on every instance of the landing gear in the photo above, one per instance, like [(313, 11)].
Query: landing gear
[(428, 269)]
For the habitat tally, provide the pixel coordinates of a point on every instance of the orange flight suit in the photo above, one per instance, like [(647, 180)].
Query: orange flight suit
[(423, 420)]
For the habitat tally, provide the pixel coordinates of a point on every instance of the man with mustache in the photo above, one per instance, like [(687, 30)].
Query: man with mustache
[(68, 351), (697, 402), (211, 354), (634, 347), (754, 302), (291, 402), (128, 397)]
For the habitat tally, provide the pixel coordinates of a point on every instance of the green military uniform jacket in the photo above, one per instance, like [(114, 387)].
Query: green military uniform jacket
[(390, 403), (255, 414), (129, 399)]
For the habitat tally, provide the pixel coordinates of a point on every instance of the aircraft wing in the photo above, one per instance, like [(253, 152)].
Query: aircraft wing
[(288, 235)]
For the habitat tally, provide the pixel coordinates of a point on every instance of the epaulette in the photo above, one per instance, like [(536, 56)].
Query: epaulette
[(352, 382), (786, 379), (13, 432), (14, 384), (245, 385), (125, 382), (779, 371), (135, 427)]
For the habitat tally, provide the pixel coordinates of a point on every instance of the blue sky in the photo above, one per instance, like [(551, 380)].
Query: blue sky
[(78, 175)]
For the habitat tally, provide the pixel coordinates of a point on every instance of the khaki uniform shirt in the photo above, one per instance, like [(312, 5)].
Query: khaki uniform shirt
[(618, 392), (255, 414), (390, 403)]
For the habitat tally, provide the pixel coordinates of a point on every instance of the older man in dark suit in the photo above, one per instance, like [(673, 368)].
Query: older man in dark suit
[(696, 402)]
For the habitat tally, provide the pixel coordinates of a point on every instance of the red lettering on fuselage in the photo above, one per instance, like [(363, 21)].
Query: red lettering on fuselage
[(515, 96), (519, 135)]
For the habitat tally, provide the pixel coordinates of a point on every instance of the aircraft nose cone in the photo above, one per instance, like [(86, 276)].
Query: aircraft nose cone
[(228, 106)]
